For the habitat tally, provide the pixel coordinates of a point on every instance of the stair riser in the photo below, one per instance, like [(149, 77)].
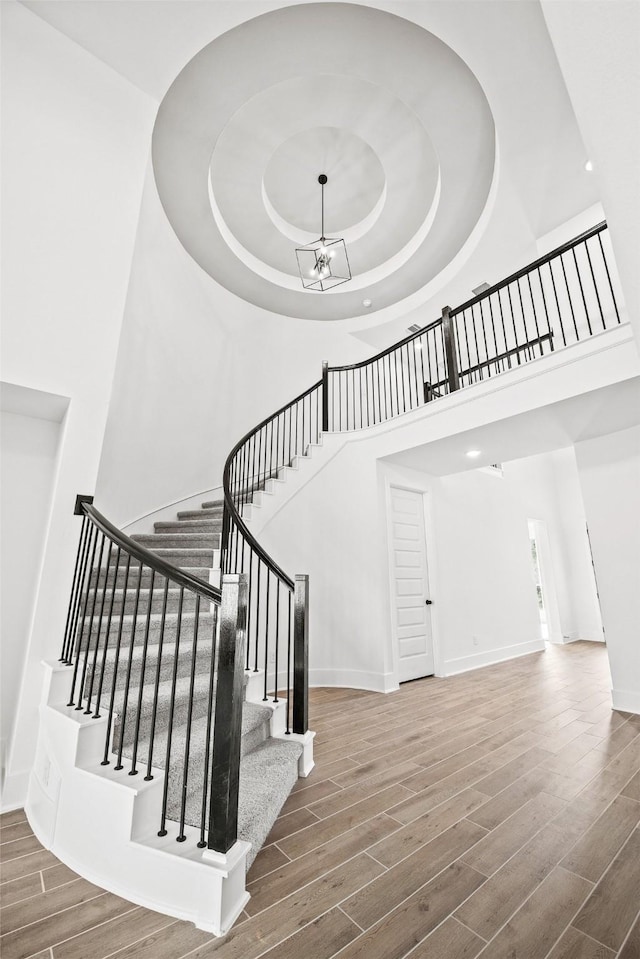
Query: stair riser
[(128, 600), (198, 514), (203, 665), (205, 633), (180, 716), (187, 541), (100, 577), (189, 527)]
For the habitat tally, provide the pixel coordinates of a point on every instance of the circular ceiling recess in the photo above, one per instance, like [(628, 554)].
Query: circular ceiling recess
[(356, 93)]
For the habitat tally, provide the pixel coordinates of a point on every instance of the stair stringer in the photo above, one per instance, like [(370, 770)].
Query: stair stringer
[(90, 818)]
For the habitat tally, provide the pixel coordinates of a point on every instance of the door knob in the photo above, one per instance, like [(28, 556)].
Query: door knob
[(428, 602)]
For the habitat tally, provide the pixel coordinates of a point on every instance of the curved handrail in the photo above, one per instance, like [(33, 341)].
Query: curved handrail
[(150, 559), (228, 498), (390, 349)]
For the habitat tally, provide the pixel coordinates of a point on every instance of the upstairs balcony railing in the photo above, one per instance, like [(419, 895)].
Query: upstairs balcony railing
[(562, 298)]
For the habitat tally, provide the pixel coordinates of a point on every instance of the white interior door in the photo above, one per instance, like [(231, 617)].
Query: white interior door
[(410, 585)]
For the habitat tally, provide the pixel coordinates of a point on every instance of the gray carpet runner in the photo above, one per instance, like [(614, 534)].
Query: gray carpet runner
[(145, 664)]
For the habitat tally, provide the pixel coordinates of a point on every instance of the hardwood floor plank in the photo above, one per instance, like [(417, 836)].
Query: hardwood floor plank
[(110, 936), (169, 942), (499, 780), (12, 817), (18, 848), (23, 866), (536, 926), (401, 881), (593, 853), (57, 876), (412, 921), (56, 928), (451, 940), (270, 927), (575, 945), (48, 903), (321, 939), (304, 797), (17, 830), (362, 790), (326, 829), (323, 771), (321, 860), (631, 948), (24, 888), (502, 895), (294, 822), (490, 853), (268, 859), (632, 789), (611, 909), (421, 831)]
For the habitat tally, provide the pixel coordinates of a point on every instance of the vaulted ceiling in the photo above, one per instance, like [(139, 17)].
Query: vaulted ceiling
[(429, 118)]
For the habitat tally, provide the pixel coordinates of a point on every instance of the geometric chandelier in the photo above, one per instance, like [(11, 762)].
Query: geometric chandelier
[(324, 263)]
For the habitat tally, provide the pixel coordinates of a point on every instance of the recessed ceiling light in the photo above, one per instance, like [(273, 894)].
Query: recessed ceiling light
[(366, 303), (473, 453), (588, 166)]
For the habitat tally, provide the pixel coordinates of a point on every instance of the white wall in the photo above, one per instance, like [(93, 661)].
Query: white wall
[(599, 54), (75, 144), (196, 369), (547, 488), (29, 448), (609, 470)]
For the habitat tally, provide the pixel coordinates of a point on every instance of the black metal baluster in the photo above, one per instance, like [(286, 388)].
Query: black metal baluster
[(85, 567), (249, 594), (566, 283), (353, 398), (513, 323), (422, 344), (96, 714), (555, 293), (172, 703), (187, 744), (504, 331), (586, 309), (83, 680), (379, 420), (127, 684), (207, 753), (535, 315), (266, 635), (475, 337), (546, 311), (74, 591), (255, 662), (288, 728), (595, 285), (156, 688), (80, 625), (277, 639), (493, 328), (524, 319), (99, 629), (606, 266), (143, 667), (116, 665)]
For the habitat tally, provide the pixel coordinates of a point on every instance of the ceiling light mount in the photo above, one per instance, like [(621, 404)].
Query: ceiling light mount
[(323, 264)]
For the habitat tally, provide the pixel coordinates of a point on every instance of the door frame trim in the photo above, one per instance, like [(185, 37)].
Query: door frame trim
[(392, 479)]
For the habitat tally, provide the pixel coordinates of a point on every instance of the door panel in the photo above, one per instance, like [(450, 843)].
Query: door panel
[(412, 619)]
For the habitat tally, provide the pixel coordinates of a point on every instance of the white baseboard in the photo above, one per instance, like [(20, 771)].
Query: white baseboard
[(354, 679), (490, 656), (626, 700)]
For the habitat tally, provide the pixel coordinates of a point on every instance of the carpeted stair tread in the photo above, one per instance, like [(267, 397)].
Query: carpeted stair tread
[(255, 730), (267, 776), (128, 599), (189, 526), (201, 691), (213, 512), (130, 661), (182, 557)]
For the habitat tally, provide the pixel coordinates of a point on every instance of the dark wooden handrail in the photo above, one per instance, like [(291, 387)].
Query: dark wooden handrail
[(174, 573)]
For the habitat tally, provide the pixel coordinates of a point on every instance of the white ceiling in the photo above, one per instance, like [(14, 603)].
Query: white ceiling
[(401, 102)]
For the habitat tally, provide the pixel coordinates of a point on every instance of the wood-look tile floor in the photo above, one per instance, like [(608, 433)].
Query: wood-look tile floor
[(494, 814)]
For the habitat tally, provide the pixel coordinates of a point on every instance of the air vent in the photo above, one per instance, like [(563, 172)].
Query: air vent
[(481, 289), (414, 328)]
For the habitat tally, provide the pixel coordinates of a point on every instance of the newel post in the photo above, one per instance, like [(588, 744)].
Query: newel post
[(450, 349), (325, 397), (301, 655), (227, 731)]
